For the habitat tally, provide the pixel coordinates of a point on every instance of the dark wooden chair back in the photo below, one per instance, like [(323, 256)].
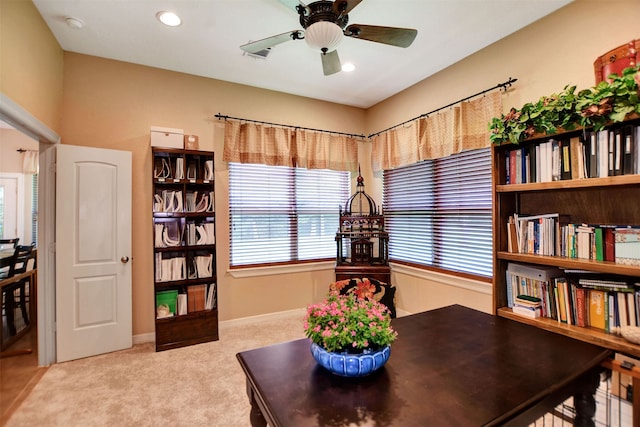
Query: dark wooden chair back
[(21, 258), (9, 243)]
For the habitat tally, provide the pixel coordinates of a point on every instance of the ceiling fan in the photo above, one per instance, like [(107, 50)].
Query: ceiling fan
[(325, 24)]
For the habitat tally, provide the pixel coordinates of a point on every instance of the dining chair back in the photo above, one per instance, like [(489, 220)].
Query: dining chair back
[(17, 295), (9, 243), (19, 261)]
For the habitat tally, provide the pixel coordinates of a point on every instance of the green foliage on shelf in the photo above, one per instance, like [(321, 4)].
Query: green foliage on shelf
[(607, 102)]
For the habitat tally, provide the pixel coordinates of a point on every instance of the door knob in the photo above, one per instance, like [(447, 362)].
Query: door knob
[(124, 259)]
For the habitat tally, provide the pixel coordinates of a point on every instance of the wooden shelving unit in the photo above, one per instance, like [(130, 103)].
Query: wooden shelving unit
[(184, 229), (609, 200)]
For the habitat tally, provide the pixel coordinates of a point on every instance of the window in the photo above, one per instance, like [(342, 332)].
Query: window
[(438, 213), (281, 215), (34, 209)]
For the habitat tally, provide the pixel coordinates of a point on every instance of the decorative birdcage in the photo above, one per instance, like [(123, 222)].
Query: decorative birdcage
[(361, 239)]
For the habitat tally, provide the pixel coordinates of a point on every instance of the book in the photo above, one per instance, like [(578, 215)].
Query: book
[(597, 311), (593, 154), (530, 312), (581, 312), (182, 304), (627, 245), (538, 272), (618, 152), (196, 298), (566, 159), (629, 148)]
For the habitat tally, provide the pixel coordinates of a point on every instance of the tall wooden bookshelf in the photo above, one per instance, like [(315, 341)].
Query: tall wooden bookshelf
[(184, 247), (607, 200)]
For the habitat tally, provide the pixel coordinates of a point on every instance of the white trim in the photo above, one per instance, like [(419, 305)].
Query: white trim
[(26, 123), (445, 279), (281, 269), (47, 255), (226, 324), (144, 338)]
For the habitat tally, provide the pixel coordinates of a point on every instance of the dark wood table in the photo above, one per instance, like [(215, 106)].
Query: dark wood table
[(452, 366)]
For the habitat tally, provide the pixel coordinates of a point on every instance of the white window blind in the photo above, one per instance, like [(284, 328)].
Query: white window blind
[(438, 213), (34, 209), (280, 214)]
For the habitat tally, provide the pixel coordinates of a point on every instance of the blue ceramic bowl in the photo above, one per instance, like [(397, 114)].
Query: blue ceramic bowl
[(351, 365)]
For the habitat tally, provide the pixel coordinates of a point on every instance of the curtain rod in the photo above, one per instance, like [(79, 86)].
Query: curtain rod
[(221, 117), (504, 85), (23, 150)]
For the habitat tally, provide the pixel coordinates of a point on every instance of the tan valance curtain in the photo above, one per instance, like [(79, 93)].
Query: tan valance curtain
[(256, 143), (319, 150), (396, 147), (30, 162), (460, 128), (253, 142)]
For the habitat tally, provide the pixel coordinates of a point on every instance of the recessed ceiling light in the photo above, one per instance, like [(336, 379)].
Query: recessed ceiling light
[(169, 18), (348, 67), (74, 23)]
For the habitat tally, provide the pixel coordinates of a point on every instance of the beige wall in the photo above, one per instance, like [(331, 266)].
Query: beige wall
[(546, 56), (31, 62), (549, 54), (112, 104)]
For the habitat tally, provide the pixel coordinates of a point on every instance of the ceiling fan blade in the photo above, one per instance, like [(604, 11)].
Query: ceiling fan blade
[(330, 63), (400, 37), (293, 4), (269, 42), (344, 6)]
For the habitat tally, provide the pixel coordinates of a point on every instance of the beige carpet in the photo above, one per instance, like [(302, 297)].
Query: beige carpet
[(200, 385)]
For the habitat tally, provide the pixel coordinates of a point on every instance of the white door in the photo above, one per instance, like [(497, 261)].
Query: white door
[(93, 249)]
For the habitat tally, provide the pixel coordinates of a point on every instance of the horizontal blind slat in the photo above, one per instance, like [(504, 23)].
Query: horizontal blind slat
[(281, 214), (438, 212)]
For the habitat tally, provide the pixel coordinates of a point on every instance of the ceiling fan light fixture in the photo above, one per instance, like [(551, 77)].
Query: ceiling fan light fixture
[(323, 36)]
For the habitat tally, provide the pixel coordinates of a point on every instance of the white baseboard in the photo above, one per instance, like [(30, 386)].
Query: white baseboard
[(262, 317), (151, 337), (144, 338), (401, 313)]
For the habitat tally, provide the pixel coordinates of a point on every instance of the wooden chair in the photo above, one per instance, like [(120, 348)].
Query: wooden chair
[(6, 245), (9, 243), (16, 295)]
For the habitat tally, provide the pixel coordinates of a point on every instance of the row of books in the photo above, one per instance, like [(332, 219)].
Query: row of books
[(175, 267), (171, 234), (171, 201), (200, 297), (163, 170), (552, 235), (586, 301), (608, 152)]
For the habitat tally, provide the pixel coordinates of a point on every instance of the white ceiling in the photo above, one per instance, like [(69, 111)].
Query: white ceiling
[(207, 43)]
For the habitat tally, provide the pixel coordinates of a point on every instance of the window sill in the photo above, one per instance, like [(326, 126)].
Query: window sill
[(239, 273), (446, 279)]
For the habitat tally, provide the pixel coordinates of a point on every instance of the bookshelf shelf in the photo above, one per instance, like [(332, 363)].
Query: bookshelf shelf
[(572, 263), (591, 335), (610, 200), (570, 183), (184, 247)]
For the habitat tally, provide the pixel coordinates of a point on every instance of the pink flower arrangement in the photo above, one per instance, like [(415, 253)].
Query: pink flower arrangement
[(346, 323)]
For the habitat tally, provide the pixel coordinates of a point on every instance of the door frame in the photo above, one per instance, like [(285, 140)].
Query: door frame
[(22, 120)]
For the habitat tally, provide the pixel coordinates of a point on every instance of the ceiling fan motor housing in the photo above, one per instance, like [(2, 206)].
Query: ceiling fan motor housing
[(323, 11)]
